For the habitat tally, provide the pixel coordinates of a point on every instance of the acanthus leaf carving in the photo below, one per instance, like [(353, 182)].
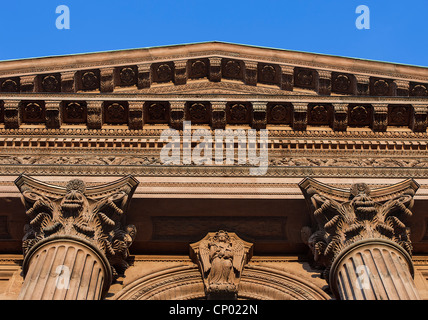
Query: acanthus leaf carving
[(342, 218), (97, 218)]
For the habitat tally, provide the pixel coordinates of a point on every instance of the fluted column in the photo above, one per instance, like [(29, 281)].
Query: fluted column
[(373, 270), (65, 269), (75, 243), (361, 239)]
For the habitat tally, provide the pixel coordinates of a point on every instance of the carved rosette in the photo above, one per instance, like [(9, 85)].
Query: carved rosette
[(95, 216), (221, 257), (359, 217)]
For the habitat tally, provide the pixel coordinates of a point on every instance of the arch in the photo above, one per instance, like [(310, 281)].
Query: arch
[(185, 283)]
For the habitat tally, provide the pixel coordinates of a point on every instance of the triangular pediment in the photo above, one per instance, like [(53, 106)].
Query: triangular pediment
[(212, 83), (253, 69)]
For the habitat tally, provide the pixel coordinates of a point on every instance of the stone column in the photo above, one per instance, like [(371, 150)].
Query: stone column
[(75, 243), (65, 269), (373, 269), (361, 241)]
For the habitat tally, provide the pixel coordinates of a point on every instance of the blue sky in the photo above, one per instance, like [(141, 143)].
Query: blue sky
[(398, 29)]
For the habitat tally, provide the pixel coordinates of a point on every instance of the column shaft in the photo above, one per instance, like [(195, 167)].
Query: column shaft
[(65, 269), (373, 270)]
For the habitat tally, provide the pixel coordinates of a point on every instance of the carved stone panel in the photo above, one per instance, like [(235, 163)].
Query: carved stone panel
[(163, 72), (198, 68), (418, 89), (50, 83), (88, 80), (116, 112), (305, 78), (127, 76), (221, 257), (268, 73), (382, 87), (156, 112), (319, 114), (74, 112), (238, 112), (279, 113), (33, 111), (198, 112), (343, 83), (10, 84), (359, 115), (232, 69), (399, 115)]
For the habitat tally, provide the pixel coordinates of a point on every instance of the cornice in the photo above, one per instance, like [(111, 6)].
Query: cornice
[(208, 49)]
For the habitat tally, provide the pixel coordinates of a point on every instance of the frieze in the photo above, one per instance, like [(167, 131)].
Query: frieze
[(97, 113), (133, 160), (214, 171)]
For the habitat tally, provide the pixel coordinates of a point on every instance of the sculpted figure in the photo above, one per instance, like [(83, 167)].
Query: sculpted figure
[(222, 261)]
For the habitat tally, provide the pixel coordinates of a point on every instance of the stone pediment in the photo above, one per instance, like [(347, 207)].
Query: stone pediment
[(214, 84), (214, 62)]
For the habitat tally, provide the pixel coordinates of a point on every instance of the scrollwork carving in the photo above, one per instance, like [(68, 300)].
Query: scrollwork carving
[(342, 223), (72, 212)]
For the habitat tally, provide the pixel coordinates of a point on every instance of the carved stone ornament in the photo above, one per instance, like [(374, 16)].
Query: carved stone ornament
[(10, 85), (198, 69), (90, 80), (342, 217), (95, 215), (221, 257), (419, 90)]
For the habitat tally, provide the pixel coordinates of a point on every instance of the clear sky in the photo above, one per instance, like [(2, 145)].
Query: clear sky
[(398, 29)]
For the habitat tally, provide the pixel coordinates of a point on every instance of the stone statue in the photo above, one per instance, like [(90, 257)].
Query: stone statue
[(221, 258)]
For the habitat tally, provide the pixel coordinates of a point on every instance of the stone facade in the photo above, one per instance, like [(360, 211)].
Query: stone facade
[(91, 211)]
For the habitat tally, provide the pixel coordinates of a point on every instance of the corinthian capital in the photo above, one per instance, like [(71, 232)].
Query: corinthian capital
[(93, 215), (344, 217)]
